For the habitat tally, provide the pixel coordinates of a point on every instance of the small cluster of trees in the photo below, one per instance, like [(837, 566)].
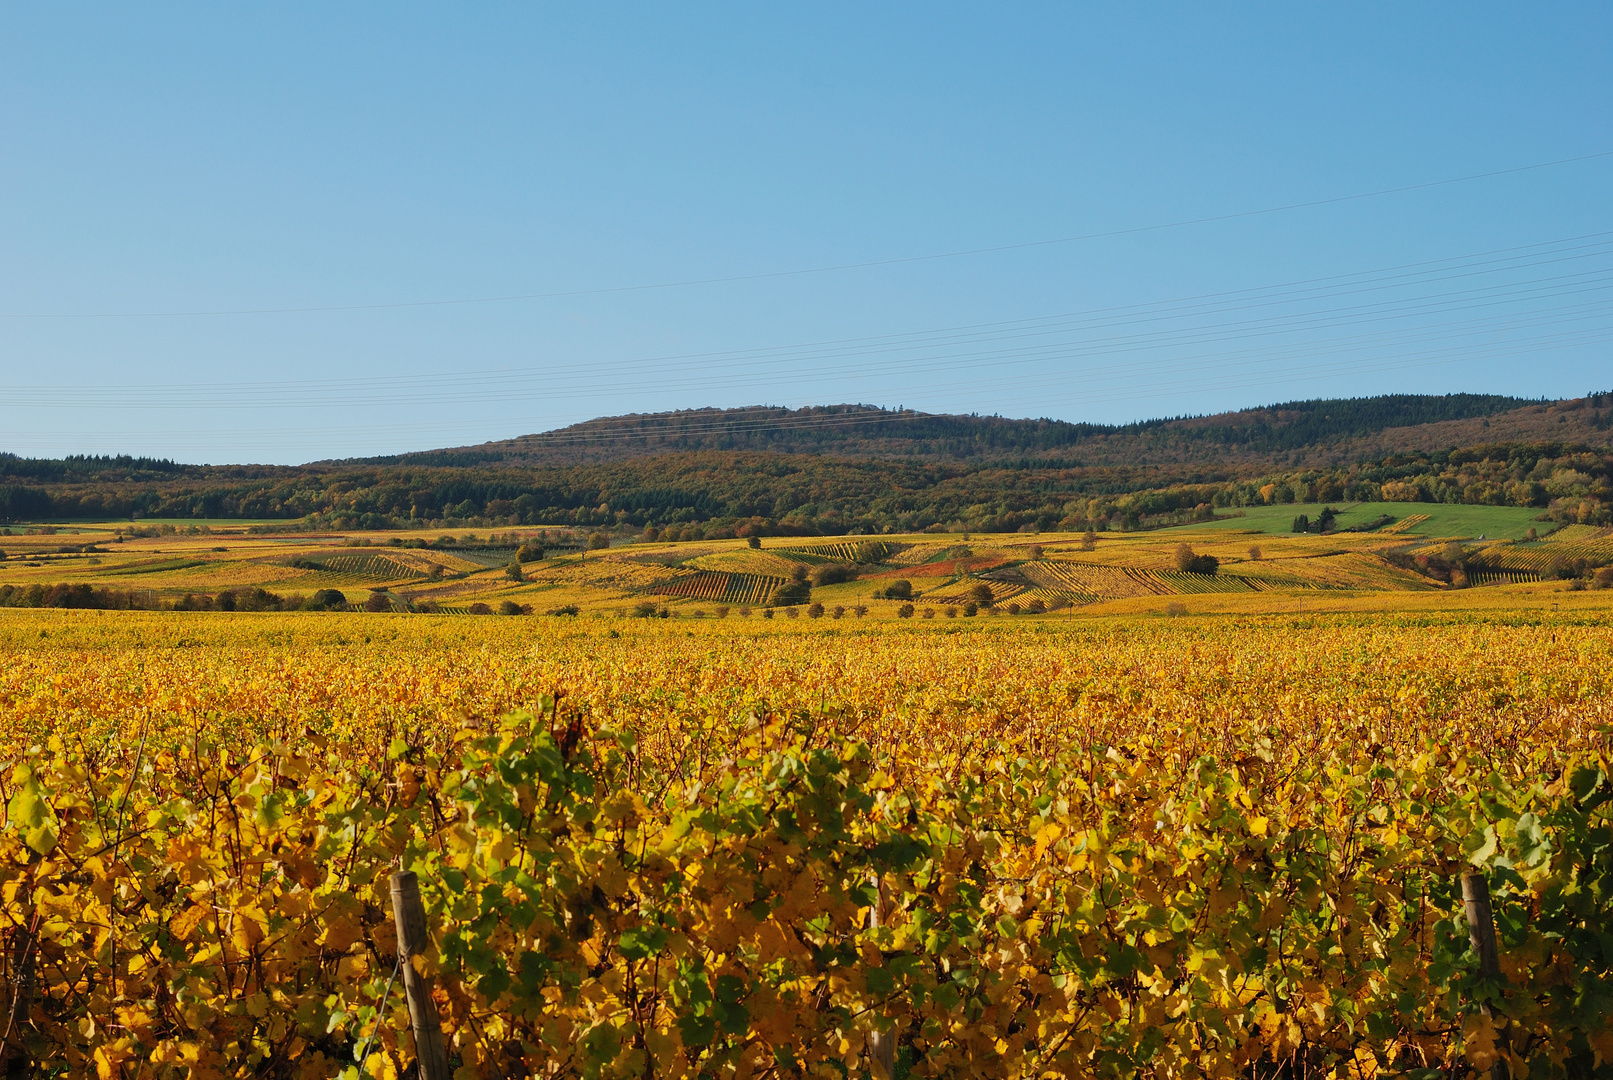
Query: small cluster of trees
[(1325, 522), (1189, 562)]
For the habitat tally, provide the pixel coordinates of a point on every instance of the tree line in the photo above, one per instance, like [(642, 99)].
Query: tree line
[(713, 494)]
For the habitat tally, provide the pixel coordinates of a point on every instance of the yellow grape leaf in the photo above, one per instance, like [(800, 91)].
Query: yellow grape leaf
[(186, 922), (30, 812)]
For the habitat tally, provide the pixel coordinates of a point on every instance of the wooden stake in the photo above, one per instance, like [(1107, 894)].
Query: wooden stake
[(410, 916), (1481, 934), (881, 1044)]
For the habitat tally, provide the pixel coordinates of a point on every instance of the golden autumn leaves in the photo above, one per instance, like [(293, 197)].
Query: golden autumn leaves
[(1134, 851), (1115, 912)]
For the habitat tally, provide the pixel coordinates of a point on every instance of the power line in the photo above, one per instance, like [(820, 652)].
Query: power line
[(806, 271), (1296, 306)]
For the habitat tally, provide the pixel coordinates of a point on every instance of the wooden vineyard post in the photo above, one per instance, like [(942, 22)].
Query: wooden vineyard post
[(1481, 934), (410, 916), (881, 1044)]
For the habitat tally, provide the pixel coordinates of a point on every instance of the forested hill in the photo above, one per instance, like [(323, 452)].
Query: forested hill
[(839, 470), (1320, 432)]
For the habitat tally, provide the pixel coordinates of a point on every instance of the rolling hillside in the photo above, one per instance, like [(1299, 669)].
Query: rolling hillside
[(834, 471), (1318, 432)]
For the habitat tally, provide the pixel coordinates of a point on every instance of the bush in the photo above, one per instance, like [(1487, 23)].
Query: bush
[(833, 574), (378, 601), (1035, 606), (327, 600), (513, 572), (753, 542), (971, 609), (952, 611), (1254, 552), (1175, 608), (564, 609), (1189, 563), (839, 612), (900, 589), (479, 608), (860, 609), (816, 611), (905, 611), (598, 541), (644, 609), (1034, 552), (258, 600), (927, 613), (800, 572), (531, 551), (792, 593), (1603, 578), (981, 595)]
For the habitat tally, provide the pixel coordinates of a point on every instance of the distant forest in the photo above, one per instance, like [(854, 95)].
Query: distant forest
[(865, 431), (737, 492)]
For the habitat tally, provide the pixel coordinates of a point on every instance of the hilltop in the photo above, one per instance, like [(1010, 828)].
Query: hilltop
[(1320, 432)]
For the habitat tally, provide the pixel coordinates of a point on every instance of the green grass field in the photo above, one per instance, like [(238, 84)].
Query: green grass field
[(1466, 522)]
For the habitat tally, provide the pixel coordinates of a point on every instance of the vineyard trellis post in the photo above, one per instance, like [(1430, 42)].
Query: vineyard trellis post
[(1481, 935), (410, 916), (881, 1044)]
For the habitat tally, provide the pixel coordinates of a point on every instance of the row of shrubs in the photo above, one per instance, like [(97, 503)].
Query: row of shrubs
[(103, 599)]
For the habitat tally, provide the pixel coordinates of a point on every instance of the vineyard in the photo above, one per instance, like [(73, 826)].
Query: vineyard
[(1072, 574), (1406, 524), (1563, 548), (380, 567), (725, 588), (847, 551), (1133, 849)]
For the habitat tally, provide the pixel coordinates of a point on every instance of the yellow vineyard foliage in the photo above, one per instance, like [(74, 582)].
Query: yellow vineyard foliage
[(1134, 849)]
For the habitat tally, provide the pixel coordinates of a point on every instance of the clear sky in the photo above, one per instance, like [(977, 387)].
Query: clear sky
[(650, 179)]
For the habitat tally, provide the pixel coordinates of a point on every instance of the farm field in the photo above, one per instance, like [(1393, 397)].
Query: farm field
[(222, 796), (1431, 519), (469, 573)]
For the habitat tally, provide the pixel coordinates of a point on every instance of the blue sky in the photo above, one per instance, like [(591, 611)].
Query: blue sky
[(337, 174)]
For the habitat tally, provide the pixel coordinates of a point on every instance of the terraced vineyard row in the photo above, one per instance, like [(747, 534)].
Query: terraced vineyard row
[(1405, 524), (959, 592), (1086, 583), (1501, 577), (1539, 557), (372, 565), (1097, 582), (846, 551), (1580, 534), (745, 561), (718, 587)]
